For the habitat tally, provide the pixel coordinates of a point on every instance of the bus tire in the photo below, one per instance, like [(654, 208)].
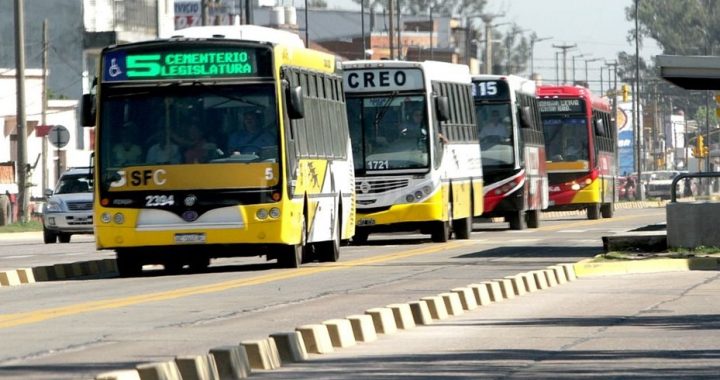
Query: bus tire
[(462, 228), (593, 212), (533, 218), (516, 220), (360, 237), (329, 251), (440, 232), (5, 211), (292, 256), (127, 263), (607, 210), (199, 264)]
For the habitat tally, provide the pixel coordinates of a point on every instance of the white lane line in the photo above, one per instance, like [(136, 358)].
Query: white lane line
[(18, 256)]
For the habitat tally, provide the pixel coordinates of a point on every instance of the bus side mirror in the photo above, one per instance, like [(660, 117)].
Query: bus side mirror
[(443, 108), (599, 127), (296, 108), (526, 118), (87, 110)]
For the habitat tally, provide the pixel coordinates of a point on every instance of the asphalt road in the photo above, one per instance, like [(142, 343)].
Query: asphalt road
[(77, 329)]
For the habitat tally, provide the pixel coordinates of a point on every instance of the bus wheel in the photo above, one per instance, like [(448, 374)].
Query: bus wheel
[(440, 232), (607, 210), (329, 251), (462, 228), (127, 263), (360, 237), (533, 218), (593, 212), (516, 220), (199, 264), (292, 256)]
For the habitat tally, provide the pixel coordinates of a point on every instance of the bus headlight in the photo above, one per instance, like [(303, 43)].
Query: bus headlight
[(261, 214), (119, 218), (575, 187), (410, 198), (105, 217), (427, 189), (418, 194), (274, 212)]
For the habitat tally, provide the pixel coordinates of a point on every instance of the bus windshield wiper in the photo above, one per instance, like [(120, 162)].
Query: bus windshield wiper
[(214, 91), (380, 114)]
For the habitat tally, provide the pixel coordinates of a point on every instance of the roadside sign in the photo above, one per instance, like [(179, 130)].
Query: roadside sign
[(59, 136)]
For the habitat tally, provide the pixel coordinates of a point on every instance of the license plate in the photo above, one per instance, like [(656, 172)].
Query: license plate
[(366, 222), (192, 238)]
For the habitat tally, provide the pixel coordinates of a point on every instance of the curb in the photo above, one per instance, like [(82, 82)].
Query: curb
[(588, 268), (66, 271)]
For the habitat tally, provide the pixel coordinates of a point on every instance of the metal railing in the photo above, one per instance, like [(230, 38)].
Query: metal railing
[(673, 187)]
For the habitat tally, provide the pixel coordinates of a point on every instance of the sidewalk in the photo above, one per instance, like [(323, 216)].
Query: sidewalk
[(657, 325)]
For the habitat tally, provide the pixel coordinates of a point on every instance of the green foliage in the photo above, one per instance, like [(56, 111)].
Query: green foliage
[(317, 4), (22, 227)]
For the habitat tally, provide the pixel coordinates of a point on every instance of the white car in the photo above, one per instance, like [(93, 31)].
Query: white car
[(659, 184), (68, 209)]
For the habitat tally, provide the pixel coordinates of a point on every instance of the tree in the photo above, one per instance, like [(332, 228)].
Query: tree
[(317, 4)]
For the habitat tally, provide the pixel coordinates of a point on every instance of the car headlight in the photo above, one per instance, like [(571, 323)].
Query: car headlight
[(53, 206)]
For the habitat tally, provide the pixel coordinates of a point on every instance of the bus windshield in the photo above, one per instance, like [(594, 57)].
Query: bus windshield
[(496, 134), (566, 137), (389, 132), (179, 125)]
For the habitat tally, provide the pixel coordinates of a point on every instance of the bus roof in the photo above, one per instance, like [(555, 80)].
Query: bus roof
[(515, 82), (241, 32), (552, 91), (434, 70)]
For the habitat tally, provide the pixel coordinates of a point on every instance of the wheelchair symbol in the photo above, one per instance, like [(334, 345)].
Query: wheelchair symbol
[(114, 69)]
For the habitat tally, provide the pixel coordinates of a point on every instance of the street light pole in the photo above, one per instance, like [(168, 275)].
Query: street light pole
[(533, 40), (573, 62), (587, 80)]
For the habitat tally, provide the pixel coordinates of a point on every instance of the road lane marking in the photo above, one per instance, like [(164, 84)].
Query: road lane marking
[(17, 319)]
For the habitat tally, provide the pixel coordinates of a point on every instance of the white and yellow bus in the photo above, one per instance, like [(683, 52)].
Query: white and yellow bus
[(181, 174), (415, 147)]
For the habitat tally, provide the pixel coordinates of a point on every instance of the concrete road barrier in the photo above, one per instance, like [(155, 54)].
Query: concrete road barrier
[(197, 367), (290, 347), (482, 295), (383, 320), (496, 294), (9, 278), (559, 274), (403, 315), (467, 298), (232, 362), (421, 313), (363, 328), (260, 354), (518, 286), (316, 338), (341, 332), (506, 288), (529, 281), (126, 374), (159, 371), (551, 277), (437, 308), (453, 305), (540, 279)]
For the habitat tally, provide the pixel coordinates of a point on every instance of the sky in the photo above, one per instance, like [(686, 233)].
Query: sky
[(597, 27)]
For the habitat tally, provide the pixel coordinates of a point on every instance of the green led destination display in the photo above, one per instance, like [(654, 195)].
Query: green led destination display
[(124, 65)]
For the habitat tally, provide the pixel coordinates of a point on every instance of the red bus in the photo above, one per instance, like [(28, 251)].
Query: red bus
[(513, 149), (581, 143)]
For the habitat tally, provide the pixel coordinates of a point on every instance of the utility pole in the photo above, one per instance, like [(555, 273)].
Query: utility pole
[(399, 31), (249, 17), (534, 39), (614, 65), (564, 49), (573, 62), (637, 124), (391, 32), (20, 114), (488, 19), (362, 27), (43, 115), (204, 12), (586, 69)]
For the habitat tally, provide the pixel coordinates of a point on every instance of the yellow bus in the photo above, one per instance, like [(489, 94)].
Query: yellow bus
[(415, 147), (219, 142)]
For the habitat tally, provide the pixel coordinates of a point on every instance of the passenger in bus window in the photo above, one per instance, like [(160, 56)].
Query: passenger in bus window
[(163, 152), (251, 138), (573, 150), (200, 150), (127, 152), (495, 130)]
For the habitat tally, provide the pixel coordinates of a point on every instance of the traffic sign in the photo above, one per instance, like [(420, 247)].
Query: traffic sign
[(59, 136)]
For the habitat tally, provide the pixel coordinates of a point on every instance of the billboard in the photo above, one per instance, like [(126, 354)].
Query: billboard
[(625, 138), (189, 13)]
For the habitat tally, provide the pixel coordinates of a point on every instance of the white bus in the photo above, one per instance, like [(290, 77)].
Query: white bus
[(415, 148)]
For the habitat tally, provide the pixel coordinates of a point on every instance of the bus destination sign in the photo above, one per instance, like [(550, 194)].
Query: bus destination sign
[(124, 65), (490, 89), (561, 105)]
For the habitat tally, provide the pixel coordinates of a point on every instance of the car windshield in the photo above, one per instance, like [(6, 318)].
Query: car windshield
[(74, 183)]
